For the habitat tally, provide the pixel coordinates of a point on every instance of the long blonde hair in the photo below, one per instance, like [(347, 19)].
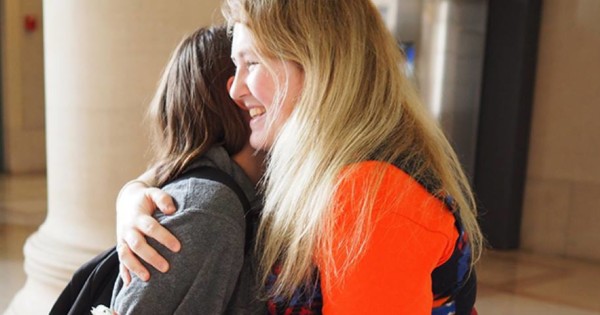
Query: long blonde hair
[(356, 105)]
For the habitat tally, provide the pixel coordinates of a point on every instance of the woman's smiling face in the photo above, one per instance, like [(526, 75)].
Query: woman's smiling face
[(267, 87)]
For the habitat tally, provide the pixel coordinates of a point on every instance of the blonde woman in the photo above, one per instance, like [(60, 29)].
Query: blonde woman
[(367, 209)]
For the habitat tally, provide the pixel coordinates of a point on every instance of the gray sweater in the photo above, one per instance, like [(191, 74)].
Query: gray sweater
[(211, 274)]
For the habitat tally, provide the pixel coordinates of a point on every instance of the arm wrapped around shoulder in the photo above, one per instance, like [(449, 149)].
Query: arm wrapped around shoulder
[(210, 224)]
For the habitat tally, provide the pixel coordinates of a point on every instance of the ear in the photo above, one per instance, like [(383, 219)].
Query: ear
[(229, 83)]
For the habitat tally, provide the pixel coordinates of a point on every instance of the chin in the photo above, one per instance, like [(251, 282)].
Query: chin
[(258, 143)]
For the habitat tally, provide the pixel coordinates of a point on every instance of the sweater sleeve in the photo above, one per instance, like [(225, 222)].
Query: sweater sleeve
[(410, 233), (203, 275)]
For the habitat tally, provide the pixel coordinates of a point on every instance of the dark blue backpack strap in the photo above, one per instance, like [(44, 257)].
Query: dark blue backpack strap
[(454, 280)]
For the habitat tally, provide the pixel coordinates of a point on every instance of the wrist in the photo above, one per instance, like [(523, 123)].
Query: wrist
[(132, 184), (136, 182)]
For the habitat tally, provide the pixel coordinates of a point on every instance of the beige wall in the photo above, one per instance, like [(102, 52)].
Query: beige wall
[(562, 197), (23, 74), (113, 53), (23, 88)]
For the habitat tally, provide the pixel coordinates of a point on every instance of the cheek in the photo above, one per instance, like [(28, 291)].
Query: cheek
[(287, 109), (262, 87), (293, 97)]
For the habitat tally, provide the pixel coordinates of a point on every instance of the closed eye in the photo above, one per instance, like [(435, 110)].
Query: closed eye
[(251, 64)]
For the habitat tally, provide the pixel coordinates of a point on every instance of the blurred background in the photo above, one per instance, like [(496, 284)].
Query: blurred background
[(515, 84)]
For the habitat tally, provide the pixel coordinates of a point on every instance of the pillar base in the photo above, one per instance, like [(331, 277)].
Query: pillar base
[(49, 264)]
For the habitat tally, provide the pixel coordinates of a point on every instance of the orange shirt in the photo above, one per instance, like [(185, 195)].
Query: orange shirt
[(412, 233)]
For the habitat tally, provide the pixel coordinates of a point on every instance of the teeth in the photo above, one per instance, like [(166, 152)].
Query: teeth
[(256, 111)]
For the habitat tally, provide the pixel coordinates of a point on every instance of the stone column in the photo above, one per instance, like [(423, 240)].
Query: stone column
[(102, 62)]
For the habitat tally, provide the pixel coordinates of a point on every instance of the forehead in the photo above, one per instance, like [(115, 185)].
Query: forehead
[(242, 42)]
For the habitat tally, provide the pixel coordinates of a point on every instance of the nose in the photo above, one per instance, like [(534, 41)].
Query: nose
[(229, 85), (237, 89)]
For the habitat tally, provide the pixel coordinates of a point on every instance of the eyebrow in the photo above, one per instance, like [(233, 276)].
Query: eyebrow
[(240, 54)]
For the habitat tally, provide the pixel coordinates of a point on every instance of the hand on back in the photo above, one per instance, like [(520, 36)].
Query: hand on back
[(135, 205)]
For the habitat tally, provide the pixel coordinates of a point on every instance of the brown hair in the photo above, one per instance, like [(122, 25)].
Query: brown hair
[(191, 110)]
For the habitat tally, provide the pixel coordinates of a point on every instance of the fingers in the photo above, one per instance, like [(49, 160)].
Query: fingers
[(162, 200), (124, 274), (136, 244), (134, 225), (131, 263), (150, 227)]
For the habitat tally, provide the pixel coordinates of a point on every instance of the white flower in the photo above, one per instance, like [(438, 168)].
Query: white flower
[(101, 310)]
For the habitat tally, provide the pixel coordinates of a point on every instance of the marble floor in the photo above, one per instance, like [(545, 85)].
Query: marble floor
[(520, 283), (22, 209), (510, 282)]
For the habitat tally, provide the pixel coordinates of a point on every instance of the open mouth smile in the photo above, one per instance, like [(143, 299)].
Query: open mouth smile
[(256, 111)]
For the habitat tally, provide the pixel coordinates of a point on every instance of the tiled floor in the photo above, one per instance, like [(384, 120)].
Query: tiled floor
[(510, 283), (522, 283), (22, 209), (12, 276)]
